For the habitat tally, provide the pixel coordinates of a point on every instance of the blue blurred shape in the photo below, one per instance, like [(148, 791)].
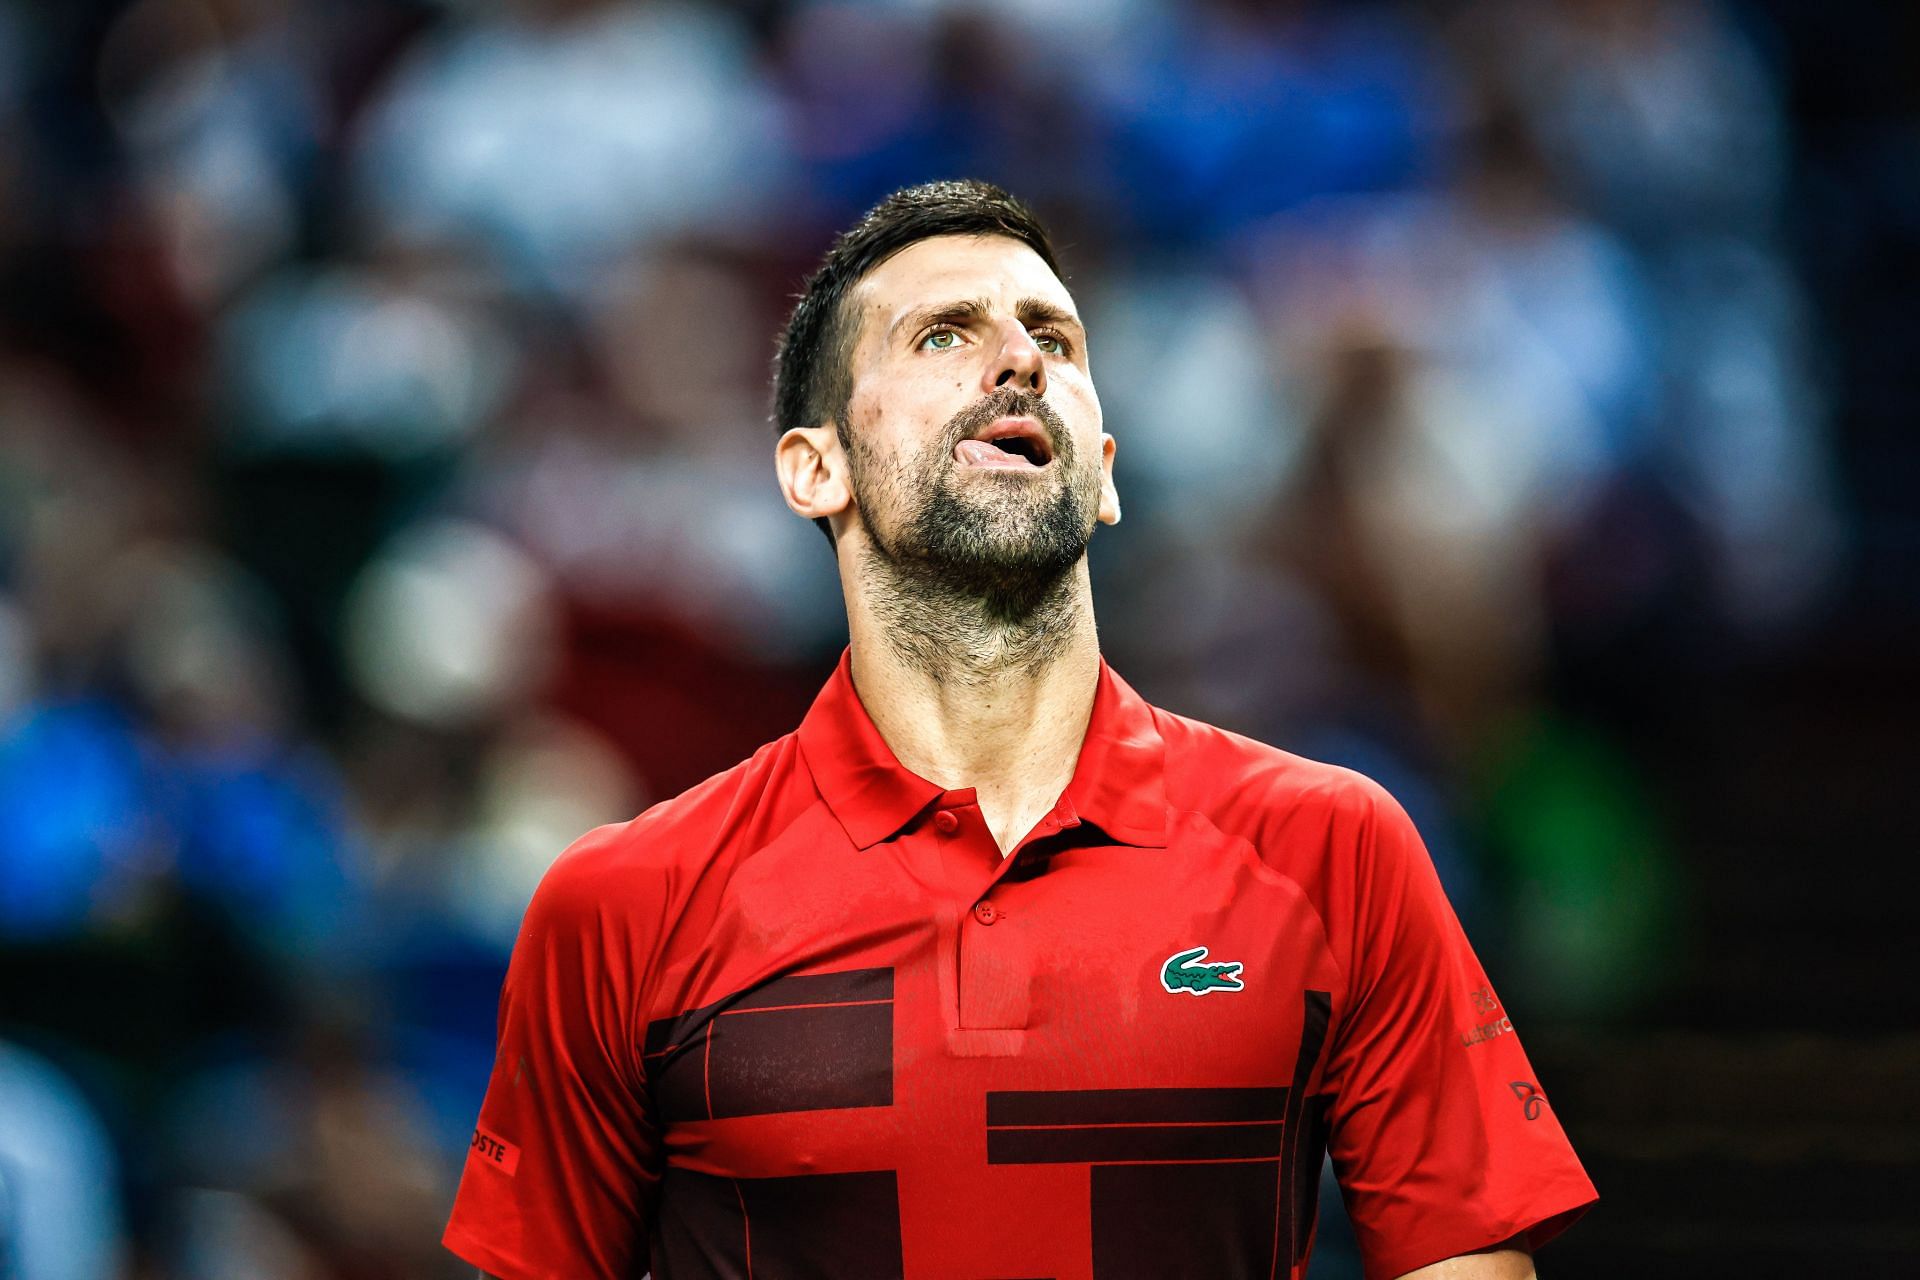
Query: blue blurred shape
[(71, 817), (1218, 122), (262, 832)]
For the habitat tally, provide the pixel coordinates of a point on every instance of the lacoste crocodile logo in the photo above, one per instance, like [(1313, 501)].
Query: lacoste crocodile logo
[(1185, 972)]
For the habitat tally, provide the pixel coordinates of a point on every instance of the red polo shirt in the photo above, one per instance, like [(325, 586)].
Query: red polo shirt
[(805, 1020)]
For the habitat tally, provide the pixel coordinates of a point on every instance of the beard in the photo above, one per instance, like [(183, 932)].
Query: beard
[(1005, 542)]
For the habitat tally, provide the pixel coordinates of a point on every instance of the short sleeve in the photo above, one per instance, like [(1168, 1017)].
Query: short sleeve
[(1442, 1136), (563, 1159)]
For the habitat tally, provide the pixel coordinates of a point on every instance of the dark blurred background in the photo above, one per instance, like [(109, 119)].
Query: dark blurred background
[(1514, 403)]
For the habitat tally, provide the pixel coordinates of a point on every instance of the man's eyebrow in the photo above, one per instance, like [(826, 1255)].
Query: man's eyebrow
[(1032, 311), (1029, 311), (966, 309)]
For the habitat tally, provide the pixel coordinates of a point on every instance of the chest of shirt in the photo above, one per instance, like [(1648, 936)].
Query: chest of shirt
[(925, 1005)]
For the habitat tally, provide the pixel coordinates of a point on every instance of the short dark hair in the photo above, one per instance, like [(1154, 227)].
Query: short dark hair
[(813, 372)]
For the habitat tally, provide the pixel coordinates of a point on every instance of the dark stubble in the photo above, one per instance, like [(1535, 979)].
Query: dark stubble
[(978, 568)]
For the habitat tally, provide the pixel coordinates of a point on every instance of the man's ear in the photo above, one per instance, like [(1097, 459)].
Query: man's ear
[(813, 471), (1109, 496)]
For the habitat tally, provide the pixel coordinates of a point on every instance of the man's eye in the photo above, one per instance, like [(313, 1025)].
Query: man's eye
[(1050, 344), (940, 340)]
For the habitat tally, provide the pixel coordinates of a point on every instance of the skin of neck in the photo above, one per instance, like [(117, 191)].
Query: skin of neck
[(968, 692)]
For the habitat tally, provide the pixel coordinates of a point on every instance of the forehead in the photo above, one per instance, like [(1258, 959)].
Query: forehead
[(995, 269)]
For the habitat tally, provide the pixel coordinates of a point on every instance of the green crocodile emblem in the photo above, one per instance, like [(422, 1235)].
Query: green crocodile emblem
[(1185, 972)]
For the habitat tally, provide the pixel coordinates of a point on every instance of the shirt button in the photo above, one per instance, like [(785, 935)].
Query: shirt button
[(946, 822), (984, 912)]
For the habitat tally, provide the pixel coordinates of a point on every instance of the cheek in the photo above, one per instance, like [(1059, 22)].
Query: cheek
[(899, 398), (1082, 408), (1084, 389)]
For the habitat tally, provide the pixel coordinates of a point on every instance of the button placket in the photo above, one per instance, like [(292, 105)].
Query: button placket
[(946, 822), (994, 970)]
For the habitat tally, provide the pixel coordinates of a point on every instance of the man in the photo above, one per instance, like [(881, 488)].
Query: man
[(991, 969)]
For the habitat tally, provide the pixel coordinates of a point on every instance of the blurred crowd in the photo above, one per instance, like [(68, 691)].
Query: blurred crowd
[(386, 492)]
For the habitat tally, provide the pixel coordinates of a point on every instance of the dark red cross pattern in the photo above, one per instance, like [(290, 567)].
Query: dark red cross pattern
[(1218, 1182)]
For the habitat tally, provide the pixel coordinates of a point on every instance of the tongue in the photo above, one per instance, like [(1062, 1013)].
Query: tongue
[(982, 454)]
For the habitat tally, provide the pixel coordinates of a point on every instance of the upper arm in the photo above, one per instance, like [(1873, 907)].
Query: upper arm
[(566, 1152), (1442, 1139), (1509, 1260)]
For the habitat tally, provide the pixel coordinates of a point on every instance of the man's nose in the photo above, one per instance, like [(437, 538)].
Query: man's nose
[(1018, 363)]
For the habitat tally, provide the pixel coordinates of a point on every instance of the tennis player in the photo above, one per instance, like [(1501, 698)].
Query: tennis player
[(990, 968)]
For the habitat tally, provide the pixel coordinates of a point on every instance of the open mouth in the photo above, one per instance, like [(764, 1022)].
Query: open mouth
[(1007, 444)]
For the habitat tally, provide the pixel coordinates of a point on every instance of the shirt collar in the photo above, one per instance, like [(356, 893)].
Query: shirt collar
[(1118, 783)]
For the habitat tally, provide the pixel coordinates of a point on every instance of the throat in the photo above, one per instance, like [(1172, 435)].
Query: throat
[(1014, 738), (953, 635), (1012, 817)]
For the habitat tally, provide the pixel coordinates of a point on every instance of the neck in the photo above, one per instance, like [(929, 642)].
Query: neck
[(989, 693)]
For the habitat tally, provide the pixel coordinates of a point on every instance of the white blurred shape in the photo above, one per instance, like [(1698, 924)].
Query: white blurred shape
[(547, 780), (346, 359), (1182, 366), (59, 1215), (450, 625), (556, 143)]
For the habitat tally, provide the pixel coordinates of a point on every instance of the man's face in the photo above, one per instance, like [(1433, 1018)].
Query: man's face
[(973, 430)]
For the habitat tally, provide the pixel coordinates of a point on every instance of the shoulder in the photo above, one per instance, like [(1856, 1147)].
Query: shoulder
[(659, 859), (1336, 834), (1263, 793)]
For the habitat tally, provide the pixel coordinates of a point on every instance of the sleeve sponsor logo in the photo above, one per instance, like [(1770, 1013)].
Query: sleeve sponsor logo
[(1184, 971), (1486, 1031), (1485, 1003), (494, 1150)]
